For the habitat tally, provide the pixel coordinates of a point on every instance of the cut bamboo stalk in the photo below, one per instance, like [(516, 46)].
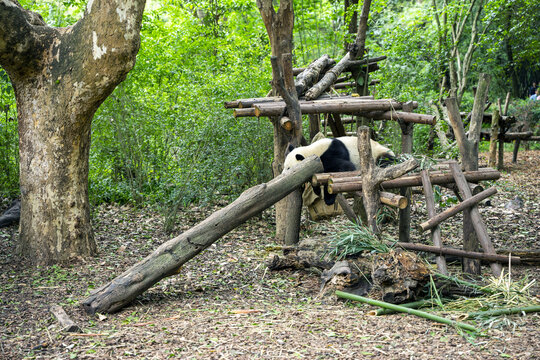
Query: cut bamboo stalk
[(448, 213), (507, 311), (436, 232), (477, 221), (403, 309)]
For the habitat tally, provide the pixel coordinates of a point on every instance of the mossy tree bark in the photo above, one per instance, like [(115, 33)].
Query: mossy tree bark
[(60, 77)]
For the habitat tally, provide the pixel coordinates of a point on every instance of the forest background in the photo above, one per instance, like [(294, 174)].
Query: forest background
[(164, 138)]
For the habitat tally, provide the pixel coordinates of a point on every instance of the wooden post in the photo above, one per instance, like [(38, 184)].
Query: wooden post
[(468, 148), (314, 125), (435, 220), (372, 176), (406, 148), (476, 219), (493, 138), (436, 232), (279, 26)]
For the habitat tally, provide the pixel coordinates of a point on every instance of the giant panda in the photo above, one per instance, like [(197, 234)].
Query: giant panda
[(337, 155)]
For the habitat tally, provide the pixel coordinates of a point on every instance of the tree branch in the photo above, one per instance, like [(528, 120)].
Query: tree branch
[(23, 37)]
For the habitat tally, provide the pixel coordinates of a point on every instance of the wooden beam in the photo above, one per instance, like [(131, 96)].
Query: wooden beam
[(451, 211), (337, 185), (456, 252), (476, 219), (436, 231)]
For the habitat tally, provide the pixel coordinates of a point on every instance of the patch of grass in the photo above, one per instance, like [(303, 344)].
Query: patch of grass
[(355, 239)]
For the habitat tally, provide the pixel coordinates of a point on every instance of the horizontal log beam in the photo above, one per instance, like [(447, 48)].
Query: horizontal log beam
[(448, 213), (245, 112), (339, 185), (461, 253), (348, 106), (393, 200)]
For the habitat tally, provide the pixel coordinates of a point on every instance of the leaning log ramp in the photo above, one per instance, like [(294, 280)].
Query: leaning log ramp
[(168, 259)]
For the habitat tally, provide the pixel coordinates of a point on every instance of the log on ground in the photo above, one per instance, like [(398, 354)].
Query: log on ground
[(167, 259)]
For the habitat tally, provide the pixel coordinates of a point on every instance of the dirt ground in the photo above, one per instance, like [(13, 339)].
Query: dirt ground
[(226, 304)]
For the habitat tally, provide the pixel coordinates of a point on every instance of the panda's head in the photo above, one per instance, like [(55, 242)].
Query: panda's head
[(292, 157)]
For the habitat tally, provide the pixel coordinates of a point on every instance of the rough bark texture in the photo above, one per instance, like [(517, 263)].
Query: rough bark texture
[(436, 232), (170, 256), (60, 77), (468, 148), (279, 26), (372, 176), (475, 219), (406, 148), (493, 139)]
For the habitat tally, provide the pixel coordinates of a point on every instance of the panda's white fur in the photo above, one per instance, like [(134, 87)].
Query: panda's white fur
[(339, 154), (321, 146)]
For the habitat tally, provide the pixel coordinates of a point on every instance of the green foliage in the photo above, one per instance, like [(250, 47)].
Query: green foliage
[(354, 239), (9, 139), (163, 135)]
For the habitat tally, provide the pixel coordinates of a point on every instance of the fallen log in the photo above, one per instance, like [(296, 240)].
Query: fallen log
[(461, 253), (467, 203), (337, 185), (168, 259)]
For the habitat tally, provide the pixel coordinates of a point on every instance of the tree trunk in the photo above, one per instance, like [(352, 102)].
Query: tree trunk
[(60, 77)]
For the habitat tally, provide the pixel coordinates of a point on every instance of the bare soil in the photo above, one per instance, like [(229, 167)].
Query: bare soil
[(226, 304)]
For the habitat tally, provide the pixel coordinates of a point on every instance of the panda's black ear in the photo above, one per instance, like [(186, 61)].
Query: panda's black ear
[(300, 157), (289, 149)]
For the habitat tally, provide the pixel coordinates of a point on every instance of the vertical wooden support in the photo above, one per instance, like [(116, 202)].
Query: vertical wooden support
[(516, 149), (492, 161), (405, 214), (314, 125), (500, 162), (370, 191), (294, 214), (436, 231), (347, 209), (476, 219)]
